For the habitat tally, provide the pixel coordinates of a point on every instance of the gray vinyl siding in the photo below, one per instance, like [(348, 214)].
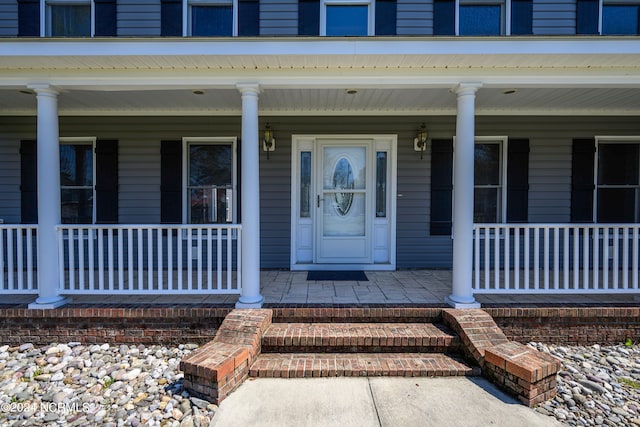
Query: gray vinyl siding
[(278, 17), (414, 18), (8, 18), (138, 18), (554, 17), (139, 181), (549, 179), (9, 178)]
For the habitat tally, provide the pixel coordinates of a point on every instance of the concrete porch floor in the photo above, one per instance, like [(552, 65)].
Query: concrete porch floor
[(283, 287)]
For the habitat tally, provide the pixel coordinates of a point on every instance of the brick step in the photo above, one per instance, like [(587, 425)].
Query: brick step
[(359, 338), (301, 365)]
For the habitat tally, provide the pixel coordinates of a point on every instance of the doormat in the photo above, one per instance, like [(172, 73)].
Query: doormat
[(338, 275)]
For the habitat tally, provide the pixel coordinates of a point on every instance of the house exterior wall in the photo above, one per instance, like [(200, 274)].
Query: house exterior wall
[(139, 168), (142, 18)]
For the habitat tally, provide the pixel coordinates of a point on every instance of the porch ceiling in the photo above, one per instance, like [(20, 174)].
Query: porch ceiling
[(578, 75)]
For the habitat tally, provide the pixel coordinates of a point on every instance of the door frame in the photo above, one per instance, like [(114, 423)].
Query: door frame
[(303, 229)]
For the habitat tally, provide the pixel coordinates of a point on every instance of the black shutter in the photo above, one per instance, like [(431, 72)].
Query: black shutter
[(171, 18), (171, 182), (583, 153), (521, 17), (248, 18), (106, 182), (587, 12), (441, 186), (309, 17), (28, 18), (386, 13), (518, 180), (444, 17), (28, 182), (106, 18)]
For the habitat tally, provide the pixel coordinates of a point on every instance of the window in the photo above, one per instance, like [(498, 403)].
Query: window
[(77, 180), (346, 18), (620, 18), (68, 18), (210, 181), (221, 18), (489, 180), (617, 190), (480, 18)]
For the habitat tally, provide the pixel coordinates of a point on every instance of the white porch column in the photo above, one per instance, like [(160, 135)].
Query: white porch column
[(250, 197), (48, 198), (462, 292)]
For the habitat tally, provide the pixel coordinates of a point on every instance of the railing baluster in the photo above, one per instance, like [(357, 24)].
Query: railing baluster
[(190, 260), (625, 258), (536, 258), (556, 257), (239, 259), (565, 261), (101, 259), (585, 258), (635, 255), (605, 257), (616, 257), (111, 256), (487, 258), (121, 284), (170, 258), (229, 260), (596, 257), (526, 242), (209, 258), (199, 245), (72, 262), (2, 240), (160, 261), (507, 261), (29, 233), (20, 259), (496, 257), (516, 257), (576, 258), (476, 257), (81, 257), (149, 258), (180, 267), (61, 259), (546, 258), (140, 244), (91, 266), (219, 285)]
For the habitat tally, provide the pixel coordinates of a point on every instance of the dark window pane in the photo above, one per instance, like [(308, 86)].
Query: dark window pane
[(347, 20), (381, 185), (616, 204), (305, 184), (77, 206), (76, 165), (618, 164), (211, 20), (210, 165), (487, 164), (480, 20), (70, 20), (620, 19), (210, 205), (485, 205)]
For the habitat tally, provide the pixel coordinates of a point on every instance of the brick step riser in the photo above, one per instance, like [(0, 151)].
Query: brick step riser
[(449, 349)]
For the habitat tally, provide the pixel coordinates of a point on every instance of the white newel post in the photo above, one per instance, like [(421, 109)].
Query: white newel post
[(250, 198), (462, 291), (48, 199)]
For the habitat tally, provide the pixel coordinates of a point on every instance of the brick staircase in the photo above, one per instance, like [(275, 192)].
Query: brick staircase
[(298, 350)]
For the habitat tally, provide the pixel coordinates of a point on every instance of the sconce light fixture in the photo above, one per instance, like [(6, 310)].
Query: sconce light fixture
[(420, 142), (268, 142)]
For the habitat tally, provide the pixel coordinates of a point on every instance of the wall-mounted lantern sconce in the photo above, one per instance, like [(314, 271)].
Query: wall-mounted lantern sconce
[(268, 142), (420, 142)]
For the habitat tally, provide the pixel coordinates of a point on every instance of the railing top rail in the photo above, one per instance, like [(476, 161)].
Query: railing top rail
[(148, 226), (18, 226), (556, 225)]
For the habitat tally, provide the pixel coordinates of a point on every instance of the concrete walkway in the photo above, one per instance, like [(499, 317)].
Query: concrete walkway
[(378, 401)]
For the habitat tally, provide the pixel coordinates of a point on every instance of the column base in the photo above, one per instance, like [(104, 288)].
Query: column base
[(248, 302), (49, 303), (461, 304)]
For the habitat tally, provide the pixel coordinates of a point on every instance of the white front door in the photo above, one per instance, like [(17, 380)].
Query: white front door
[(343, 192), (344, 211)]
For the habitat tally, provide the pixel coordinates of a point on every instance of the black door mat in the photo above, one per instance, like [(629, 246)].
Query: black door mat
[(358, 276)]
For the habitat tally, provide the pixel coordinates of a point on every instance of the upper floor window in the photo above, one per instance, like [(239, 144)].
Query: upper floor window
[(346, 18), (620, 17), (210, 180), (69, 18), (482, 17), (214, 18), (77, 179)]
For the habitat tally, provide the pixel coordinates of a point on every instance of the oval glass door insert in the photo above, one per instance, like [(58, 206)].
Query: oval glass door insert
[(343, 180)]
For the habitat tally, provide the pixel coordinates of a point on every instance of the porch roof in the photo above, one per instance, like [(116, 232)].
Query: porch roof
[(298, 76)]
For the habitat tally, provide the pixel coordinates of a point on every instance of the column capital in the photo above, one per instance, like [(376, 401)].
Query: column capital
[(44, 89), (467, 88), (248, 88)]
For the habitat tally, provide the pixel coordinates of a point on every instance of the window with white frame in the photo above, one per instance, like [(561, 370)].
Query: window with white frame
[(77, 178), (489, 180), (208, 18), (67, 18), (481, 17), (617, 189), (620, 17), (346, 18), (210, 180)]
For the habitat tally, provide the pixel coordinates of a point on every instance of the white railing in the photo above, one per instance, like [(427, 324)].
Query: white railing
[(556, 258), (18, 254), (150, 259)]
